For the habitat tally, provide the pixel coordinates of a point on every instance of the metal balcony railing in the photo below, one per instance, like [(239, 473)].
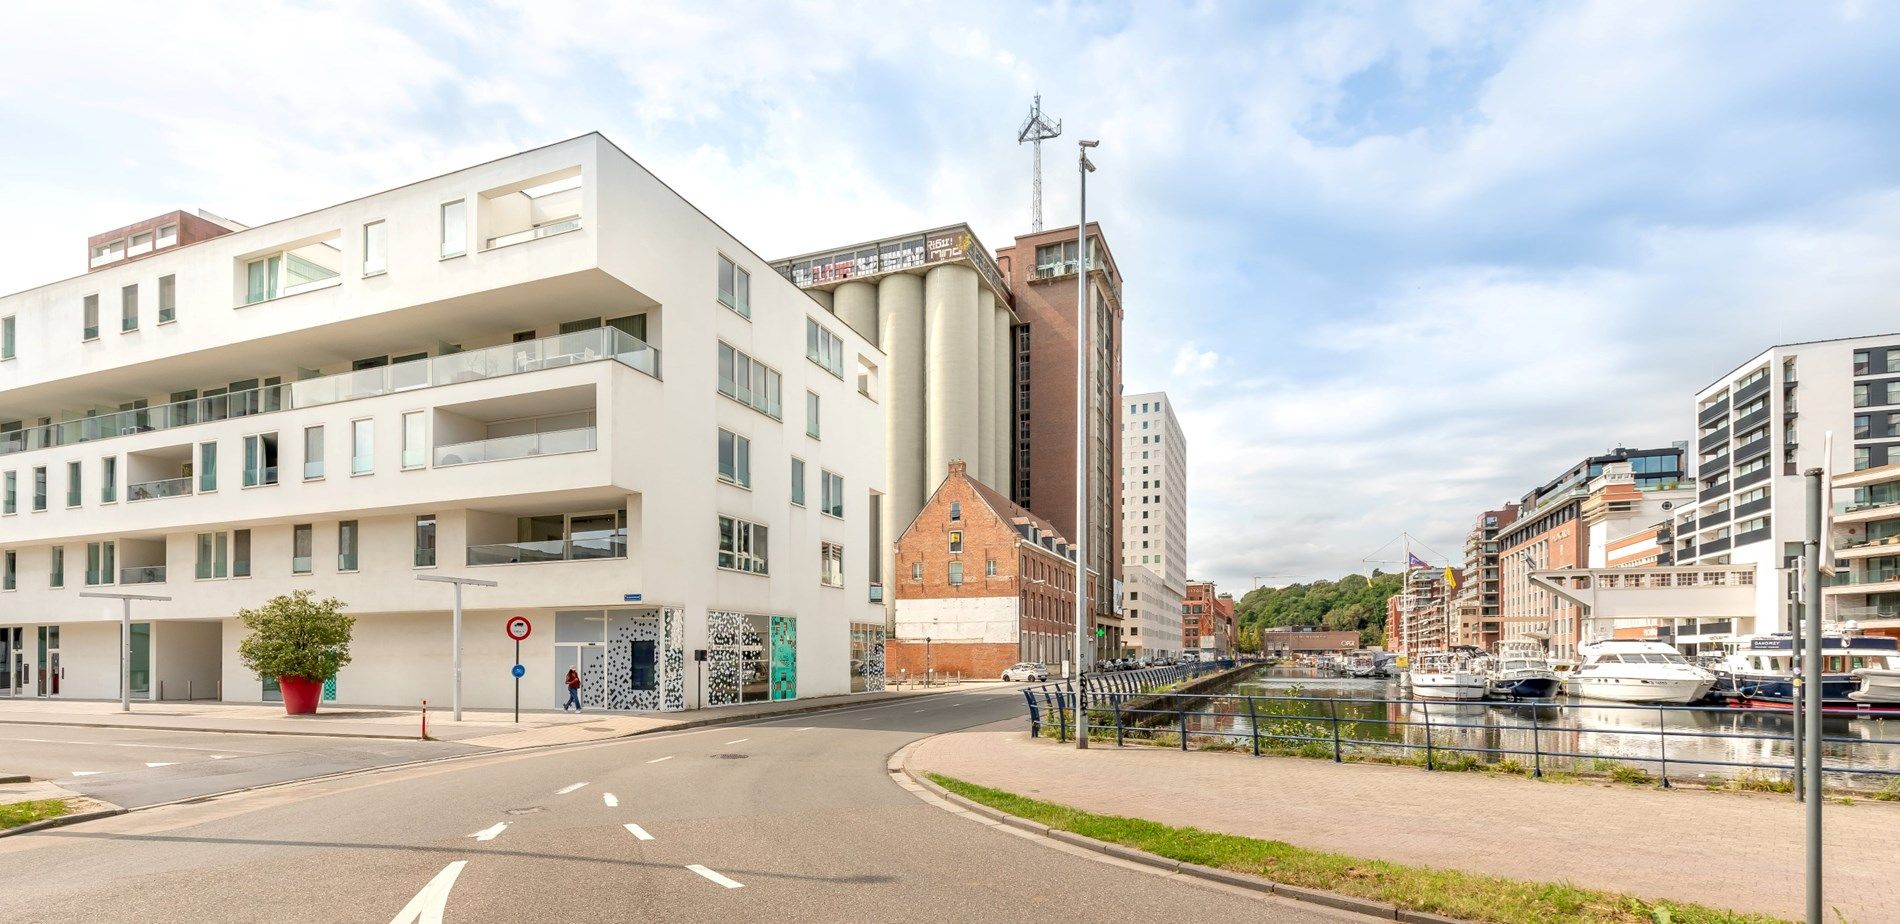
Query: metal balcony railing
[(148, 490), (550, 443)]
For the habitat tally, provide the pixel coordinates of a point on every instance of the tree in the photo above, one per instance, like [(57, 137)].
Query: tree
[(1355, 602), (293, 635)]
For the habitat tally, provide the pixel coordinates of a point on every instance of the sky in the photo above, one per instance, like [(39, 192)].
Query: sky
[(1394, 263)]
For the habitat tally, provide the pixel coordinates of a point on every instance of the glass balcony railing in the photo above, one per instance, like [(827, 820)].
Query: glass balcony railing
[(1868, 576), (147, 490), (547, 230), (144, 574), (519, 553), (597, 345), (550, 443)]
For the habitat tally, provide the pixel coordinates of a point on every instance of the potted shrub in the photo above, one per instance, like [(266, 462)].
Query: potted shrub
[(300, 641)]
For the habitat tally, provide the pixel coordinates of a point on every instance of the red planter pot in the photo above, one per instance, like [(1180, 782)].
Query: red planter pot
[(300, 694)]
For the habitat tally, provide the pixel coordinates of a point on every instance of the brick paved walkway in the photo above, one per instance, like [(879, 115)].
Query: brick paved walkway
[(1729, 850)]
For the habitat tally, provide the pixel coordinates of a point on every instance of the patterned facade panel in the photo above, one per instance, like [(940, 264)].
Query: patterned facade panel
[(784, 657), (874, 664), (624, 633), (729, 634), (672, 660)]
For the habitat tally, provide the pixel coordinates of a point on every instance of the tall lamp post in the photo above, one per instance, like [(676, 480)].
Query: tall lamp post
[(455, 634), (125, 639), (1083, 347)]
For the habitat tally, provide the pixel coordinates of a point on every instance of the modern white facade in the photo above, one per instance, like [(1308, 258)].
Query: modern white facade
[(548, 370), (1154, 523)]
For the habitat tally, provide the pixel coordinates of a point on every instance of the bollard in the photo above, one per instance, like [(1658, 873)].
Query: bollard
[(1335, 704), (425, 720), (1662, 727)]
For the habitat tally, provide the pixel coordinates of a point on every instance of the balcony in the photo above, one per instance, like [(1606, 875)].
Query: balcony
[(547, 230), (145, 574), (552, 443), (519, 553), (1868, 548), (1712, 413), (152, 490), (1752, 420), (1755, 506), (1752, 536), (1715, 545), (1742, 394), (1754, 477), (597, 345), (1712, 466), (1712, 439), (1756, 447), (1866, 577), (1715, 518), (1712, 492)]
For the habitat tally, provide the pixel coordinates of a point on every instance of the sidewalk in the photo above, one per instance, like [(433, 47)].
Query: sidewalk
[(1740, 851)]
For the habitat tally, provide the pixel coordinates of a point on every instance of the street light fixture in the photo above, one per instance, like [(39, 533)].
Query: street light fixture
[(455, 634), (1083, 347), (125, 638)]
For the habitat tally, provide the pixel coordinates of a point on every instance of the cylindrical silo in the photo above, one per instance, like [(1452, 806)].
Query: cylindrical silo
[(1005, 398), (900, 310), (821, 297), (950, 385), (984, 465), (856, 304)]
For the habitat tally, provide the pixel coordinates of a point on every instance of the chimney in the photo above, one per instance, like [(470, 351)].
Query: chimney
[(957, 468)]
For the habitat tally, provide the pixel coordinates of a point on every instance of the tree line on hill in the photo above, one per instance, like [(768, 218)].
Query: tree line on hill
[(1355, 602)]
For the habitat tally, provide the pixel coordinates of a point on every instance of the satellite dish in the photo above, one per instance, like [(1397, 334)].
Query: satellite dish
[(1668, 504)]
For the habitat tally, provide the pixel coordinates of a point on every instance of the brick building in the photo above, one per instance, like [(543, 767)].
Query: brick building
[(981, 583), (1207, 620)]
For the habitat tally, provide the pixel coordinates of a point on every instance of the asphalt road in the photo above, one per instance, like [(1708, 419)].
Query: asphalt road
[(787, 819)]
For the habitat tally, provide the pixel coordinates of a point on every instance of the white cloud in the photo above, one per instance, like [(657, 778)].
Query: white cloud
[(1189, 361)]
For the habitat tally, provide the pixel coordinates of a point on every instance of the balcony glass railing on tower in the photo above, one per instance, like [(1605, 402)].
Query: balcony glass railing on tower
[(550, 443), (597, 345), (149, 490), (558, 537)]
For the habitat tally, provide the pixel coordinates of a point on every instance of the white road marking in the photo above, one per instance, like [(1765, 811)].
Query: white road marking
[(87, 772), (709, 874), (490, 833), (219, 756), (918, 710), (738, 740), (160, 763), (867, 718), (608, 798), (658, 759), (639, 833), (806, 728), (119, 744), (428, 905), (567, 789)]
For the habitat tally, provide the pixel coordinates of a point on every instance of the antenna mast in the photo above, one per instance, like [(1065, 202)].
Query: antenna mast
[(1037, 129)]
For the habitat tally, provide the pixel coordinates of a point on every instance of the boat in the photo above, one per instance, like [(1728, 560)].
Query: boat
[(1444, 675), (1627, 670), (1363, 665), (1759, 669), (1518, 670), (1878, 686)]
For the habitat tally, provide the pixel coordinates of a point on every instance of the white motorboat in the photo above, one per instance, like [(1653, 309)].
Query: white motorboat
[(1628, 670), (1877, 686), (1518, 671), (1443, 675)]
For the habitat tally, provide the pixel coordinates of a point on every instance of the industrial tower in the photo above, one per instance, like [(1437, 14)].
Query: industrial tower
[(1037, 129)]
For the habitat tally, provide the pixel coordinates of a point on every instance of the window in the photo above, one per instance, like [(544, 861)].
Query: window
[(362, 446), (167, 235), (375, 248), (129, 308), (454, 228), (798, 482), (241, 553), (956, 510), (214, 553), (297, 269), (735, 459), (10, 499), (811, 415), (413, 450), (90, 326), (916, 571), (72, 484), (735, 287), (7, 570), (956, 573), (312, 453), (989, 570), (260, 460), (956, 540), (1860, 396), (8, 335), (425, 541), (101, 563), (57, 578), (831, 564), (167, 299), (749, 382), (742, 546), (824, 347), (207, 467), (109, 480), (831, 494), (39, 487), (302, 542), (346, 538), (141, 244)]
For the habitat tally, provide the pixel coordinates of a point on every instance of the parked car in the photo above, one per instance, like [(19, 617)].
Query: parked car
[(1027, 672)]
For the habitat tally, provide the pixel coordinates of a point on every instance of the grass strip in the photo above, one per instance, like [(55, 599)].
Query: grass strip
[(1467, 896), (15, 814)]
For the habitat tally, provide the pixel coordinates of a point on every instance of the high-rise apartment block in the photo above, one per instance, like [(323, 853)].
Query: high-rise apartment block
[(1153, 523)]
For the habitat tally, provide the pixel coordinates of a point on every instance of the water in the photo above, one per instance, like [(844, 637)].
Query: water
[(1569, 734)]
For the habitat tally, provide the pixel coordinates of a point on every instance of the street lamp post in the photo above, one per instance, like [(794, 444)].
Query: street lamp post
[(455, 634), (125, 639), (1083, 347)]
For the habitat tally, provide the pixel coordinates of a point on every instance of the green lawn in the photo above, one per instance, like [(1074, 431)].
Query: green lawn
[(1467, 896), (15, 814)]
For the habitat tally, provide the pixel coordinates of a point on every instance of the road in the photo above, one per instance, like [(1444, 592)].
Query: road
[(787, 819)]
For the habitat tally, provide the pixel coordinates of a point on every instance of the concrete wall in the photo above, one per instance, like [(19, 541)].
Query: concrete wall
[(187, 659)]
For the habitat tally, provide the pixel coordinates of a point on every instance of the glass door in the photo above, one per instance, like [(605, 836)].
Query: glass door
[(48, 662), (12, 660)]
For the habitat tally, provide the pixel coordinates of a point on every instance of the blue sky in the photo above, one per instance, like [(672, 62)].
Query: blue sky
[(1395, 263)]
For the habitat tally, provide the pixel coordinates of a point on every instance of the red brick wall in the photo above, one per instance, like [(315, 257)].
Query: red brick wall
[(971, 659), (191, 230)]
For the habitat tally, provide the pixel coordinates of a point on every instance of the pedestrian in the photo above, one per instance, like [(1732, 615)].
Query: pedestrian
[(573, 690)]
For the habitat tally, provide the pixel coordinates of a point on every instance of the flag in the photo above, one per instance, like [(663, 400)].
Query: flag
[(1451, 578), (1413, 561)]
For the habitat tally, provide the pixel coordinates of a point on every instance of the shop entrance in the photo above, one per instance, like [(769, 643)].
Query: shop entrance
[(49, 670), (616, 653)]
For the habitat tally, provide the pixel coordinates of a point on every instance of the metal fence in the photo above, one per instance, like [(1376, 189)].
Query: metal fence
[(1451, 734)]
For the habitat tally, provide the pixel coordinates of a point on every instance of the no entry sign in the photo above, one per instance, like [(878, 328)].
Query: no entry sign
[(519, 627)]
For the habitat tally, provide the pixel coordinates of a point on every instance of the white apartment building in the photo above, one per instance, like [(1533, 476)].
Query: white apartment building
[(1759, 428), (549, 371), (1154, 523)]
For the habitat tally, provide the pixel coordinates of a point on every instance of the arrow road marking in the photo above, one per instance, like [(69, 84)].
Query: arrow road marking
[(428, 905), (608, 798), (709, 874), (658, 759), (160, 763), (567, 789), (737, 740), (639, 833), (87, 772), (490, 833)]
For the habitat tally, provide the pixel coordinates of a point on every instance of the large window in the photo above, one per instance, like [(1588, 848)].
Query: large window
[(413, 448), (742, 546), (425, 541), (39, 488), (811, 415), (312, 453), (214, 554), (241, 553), (101, 563), (831, 494), (956, 573), (454, 228), (57, 577), (735, 287), (89, 329), (207, 467), (735, 459), (749, 381), (129, 308), (167, 299), (867, 656), (375, 248), (8, 569), (260, 460), (798, 484), (824, 347), (830, 564), (10, 497), (302, 548), (73, 495), (297, 269), (362, 446), (8, 334), (346, 542)]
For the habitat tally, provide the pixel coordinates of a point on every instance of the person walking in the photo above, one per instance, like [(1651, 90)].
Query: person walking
[(573, 690)]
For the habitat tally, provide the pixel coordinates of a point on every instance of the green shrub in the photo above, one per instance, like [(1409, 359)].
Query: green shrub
[(293, 635)]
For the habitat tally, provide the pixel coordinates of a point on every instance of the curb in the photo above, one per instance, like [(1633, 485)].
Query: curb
[(15, 778), (62, 821), (900, 763)]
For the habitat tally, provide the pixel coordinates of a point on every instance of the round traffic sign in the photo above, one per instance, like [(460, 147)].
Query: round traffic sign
[(518, 671), (518, 628)]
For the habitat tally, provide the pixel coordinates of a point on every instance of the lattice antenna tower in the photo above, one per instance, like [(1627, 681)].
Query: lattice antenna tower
[(1036, 130)]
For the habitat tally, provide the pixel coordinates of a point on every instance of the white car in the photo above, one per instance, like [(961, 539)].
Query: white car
[(1027, 672)]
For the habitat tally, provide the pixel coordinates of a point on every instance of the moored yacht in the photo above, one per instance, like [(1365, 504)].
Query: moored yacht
[(1444, 675), (1636, 671), (1518, 670), (1878, 686), (1759, 669)]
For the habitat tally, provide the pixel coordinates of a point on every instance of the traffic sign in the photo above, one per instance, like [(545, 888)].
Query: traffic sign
[(518, 628), (518, 671)]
